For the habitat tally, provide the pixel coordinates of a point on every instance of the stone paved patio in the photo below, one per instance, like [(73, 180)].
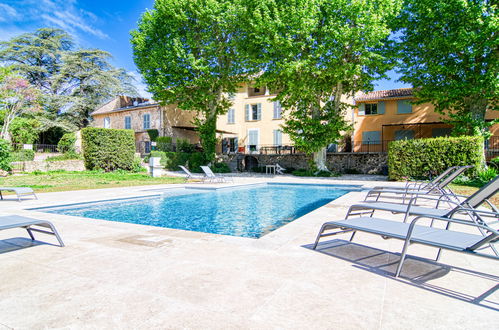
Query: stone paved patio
[(118, 275)]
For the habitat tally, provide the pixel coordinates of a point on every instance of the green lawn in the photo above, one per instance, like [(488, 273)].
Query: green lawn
[(64, 181)]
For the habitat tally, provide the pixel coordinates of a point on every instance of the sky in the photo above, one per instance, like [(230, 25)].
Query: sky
[(101, 24)]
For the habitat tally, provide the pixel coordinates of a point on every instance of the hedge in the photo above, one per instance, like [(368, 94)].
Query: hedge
[(108, 149), (5, 155), (420, 158)]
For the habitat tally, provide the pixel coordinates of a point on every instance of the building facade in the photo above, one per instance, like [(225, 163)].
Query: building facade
[(384, 116)]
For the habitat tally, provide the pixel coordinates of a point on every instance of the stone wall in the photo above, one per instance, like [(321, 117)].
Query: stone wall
[(39, 165), (359, 162)]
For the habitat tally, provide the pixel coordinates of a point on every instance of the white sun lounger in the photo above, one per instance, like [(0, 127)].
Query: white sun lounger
[(191, 175), (20, 191), (213, 177), (31, 225)]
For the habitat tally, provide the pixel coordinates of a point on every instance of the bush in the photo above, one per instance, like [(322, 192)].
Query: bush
[(184, 145), (160, 154), (108, 149), (220, 168), (174, 159), (419, 158), (66, 156), (322, 174), (5, 157), (67, 143), (196, 160), (164, 143), (24, 130), (23, 155), (137, 165), (153, 134)]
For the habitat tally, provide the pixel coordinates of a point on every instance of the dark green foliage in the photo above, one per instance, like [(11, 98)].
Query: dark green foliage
[(196, 160), (153, 134), (5, 157), (323, 174), (420, 158), (174, 159), (23, 155), (164, 143), (159, 154), (108, 149), (220, 168), (183, 145), (67, 143), (24, 130)]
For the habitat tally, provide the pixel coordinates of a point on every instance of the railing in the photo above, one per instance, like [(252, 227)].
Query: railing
[(277, 150), (492, 147), (371, 146), (39, 148)]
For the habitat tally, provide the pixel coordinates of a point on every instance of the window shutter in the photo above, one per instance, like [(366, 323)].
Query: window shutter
[(225, 143), (247, 112), (259, 111), (235, 144), (362, 109), (403, 106), (277, 110), (381, 107)]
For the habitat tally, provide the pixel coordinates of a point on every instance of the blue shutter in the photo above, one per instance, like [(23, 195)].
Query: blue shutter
[(381, 107), (404, 134), (404, 106), (373, 137), (259, 111), (236, 148), (362, 109), (247, 112)]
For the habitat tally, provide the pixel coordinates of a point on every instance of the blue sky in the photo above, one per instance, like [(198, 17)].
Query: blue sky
[(103, 24)]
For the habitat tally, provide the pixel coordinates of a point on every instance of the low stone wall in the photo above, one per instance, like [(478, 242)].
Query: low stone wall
[(44, 166), (348, 162)]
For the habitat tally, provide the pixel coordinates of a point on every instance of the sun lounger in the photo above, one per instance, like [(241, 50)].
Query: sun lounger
[(415, 233), (279, 169), (20, 191), (437, 187), (191, 175), (213, 177), (31, 225)]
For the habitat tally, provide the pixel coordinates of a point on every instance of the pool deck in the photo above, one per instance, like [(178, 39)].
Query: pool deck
[(127, 276)]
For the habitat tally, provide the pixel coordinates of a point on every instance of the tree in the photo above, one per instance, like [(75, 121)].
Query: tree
[(73, 81), (314, 52), (187, 51), (24, 130), (449, 51), (17, 97)]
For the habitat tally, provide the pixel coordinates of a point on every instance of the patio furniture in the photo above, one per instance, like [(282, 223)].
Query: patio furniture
[(467, 207), (191, 175), (436, 187), (415, 233), (31, 225), (270, 169), (20, 191), (213, 177), (279, 169)]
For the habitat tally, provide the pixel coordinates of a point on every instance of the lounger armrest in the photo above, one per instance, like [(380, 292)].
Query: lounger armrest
[(484, 212), (452, 220)]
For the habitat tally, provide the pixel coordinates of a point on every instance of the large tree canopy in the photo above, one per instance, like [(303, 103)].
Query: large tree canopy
[(73, 82), (187, 51), (313, 52), (449, 51)]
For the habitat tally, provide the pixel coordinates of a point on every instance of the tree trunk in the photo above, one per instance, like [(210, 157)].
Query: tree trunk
[(320, 159)]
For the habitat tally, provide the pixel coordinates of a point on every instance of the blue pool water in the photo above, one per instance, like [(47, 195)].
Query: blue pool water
[(250, 211)]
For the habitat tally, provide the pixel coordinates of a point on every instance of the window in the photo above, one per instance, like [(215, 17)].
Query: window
[(371, 109), (277, 110), (231, 116), (107, 122), (371, 137), (404, 106), (253, 112), (256, 90), (253, 139), (442, 131), (147, 147), (277, 137), (229, 145), (128, 122), (404, 134), (147, 121)]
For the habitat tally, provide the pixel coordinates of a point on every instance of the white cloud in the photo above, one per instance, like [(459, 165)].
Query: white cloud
[(64, 14), (7, 13), (140, 84)]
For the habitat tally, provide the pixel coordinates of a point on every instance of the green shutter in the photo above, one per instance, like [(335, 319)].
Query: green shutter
[(362, 109), (381, 108), (247, 112)]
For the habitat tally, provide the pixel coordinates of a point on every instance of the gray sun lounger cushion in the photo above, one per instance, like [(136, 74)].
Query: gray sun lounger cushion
[(30, 224), (400, 208), (20, 191), (413, 233)]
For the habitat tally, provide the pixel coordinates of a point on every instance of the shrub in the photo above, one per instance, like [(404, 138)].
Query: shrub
[(108, 149), (137, 165), (23, 155), (183, 145), (5, 157), (160, 154), (153, 134), (174, 159), (164, 143), (196, 160), (67, 143), (24, 130), (421, 157), (220, 168)]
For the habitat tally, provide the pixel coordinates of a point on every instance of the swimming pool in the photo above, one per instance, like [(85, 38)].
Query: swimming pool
[(246, 211)]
